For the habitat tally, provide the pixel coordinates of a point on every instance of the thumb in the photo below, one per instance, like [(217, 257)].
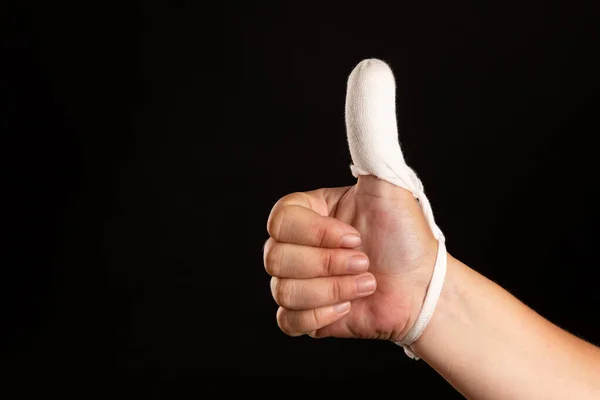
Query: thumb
[(373, 133), (371, 125)]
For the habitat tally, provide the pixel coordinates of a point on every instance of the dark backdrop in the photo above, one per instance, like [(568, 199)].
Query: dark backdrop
[(136, 204)]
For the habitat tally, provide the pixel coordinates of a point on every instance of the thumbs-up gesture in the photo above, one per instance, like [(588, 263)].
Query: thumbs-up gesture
[(357, 261)]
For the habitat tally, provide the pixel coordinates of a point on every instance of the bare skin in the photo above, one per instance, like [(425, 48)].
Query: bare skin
[(481, 339)]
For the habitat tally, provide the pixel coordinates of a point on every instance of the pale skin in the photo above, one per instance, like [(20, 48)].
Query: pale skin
[(326, 245)]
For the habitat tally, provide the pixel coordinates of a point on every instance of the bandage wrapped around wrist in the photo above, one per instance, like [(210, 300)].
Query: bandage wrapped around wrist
[(375, 149)]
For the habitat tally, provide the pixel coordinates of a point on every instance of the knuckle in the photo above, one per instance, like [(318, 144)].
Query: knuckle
[(316, 318), (320, 234), (283, 321), (274, 288), (275, 221), (272, 257), (327, 263), (335, 290), (277, 216), (282, 290)]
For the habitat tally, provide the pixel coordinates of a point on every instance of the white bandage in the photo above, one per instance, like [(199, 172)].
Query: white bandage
[(375, 149)]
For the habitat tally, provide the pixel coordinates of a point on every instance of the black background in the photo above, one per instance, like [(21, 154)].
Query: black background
[(139, 170)]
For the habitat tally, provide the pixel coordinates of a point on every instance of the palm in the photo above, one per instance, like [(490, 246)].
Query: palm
[(402, 251)]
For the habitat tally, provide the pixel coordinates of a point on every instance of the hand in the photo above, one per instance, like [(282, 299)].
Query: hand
[(328, 244), (356, 261)]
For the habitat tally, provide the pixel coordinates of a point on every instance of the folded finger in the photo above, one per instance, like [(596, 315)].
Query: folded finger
[(295, 323), (304, 294), (287, 260), (292, 220)]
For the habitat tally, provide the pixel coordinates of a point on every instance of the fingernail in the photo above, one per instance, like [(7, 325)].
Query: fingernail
[(365, 284), (351, 241), (342, 307), (358, 264)]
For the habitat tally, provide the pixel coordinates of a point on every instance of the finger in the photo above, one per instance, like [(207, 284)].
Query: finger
[(295, 323), (286, 260), (304, 294), (292, 220)]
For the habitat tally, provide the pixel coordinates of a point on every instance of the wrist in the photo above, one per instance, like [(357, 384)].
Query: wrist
[(448, 306), (416, 289)]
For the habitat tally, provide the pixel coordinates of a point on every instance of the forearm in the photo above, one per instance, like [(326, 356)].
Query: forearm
[(489, 345)]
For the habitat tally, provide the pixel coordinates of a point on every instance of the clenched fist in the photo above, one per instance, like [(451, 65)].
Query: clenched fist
[(349, 262), (356, 261)]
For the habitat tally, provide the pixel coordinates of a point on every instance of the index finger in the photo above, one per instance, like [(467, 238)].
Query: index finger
[(294, 219)]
